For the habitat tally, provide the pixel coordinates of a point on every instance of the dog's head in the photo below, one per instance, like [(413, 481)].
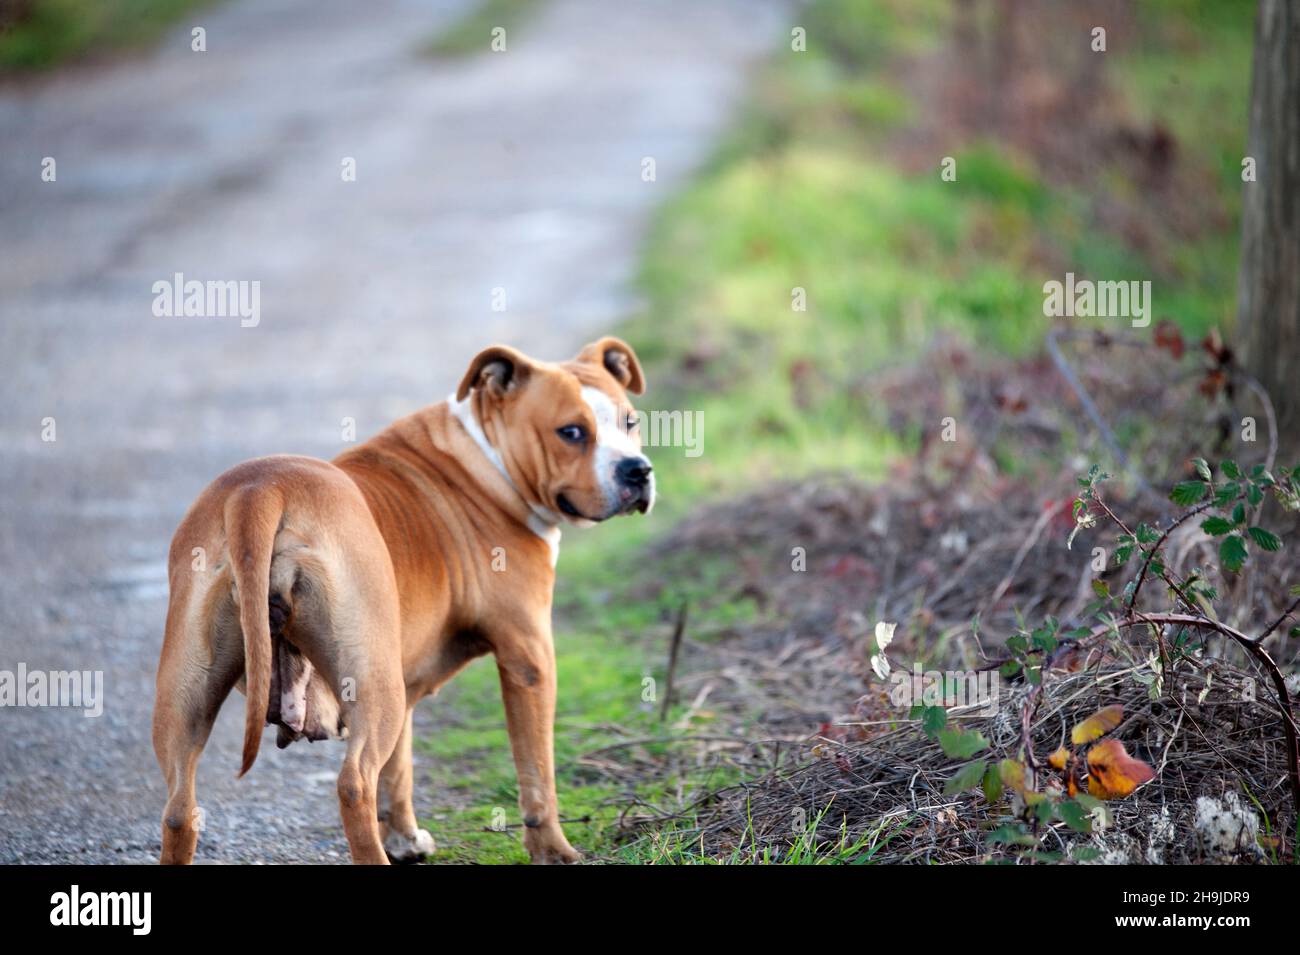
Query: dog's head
[(565, 434)]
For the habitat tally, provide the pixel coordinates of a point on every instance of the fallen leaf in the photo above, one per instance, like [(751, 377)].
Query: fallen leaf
[(884, 635), (1168, 337), (1113, 773), (1097, 725)]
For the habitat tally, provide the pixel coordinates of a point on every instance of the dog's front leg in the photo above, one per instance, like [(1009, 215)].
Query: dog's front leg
[(526, 663)]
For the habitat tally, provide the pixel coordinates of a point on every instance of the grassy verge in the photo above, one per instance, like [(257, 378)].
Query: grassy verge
[(41, 34), (472, 33), (610, 639), (817, 189), (811, 194)]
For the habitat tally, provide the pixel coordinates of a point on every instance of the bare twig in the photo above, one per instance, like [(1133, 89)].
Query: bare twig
[(1278, 622), (1141, 577), (1269, 413), (1093, 412), (1034, 533), (678, 629)]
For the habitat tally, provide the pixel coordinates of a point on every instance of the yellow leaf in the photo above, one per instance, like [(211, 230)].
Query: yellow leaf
[(1097, 725), (1113, 773), (1013, 774), (1013, 777), (1059, 758)]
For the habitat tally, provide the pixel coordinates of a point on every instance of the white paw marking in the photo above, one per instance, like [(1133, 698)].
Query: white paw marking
[(403, 847)]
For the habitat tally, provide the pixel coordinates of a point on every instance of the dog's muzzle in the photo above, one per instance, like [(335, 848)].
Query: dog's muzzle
[(634, 480)]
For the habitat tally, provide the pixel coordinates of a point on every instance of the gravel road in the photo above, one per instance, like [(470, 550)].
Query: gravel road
[(517, 171)]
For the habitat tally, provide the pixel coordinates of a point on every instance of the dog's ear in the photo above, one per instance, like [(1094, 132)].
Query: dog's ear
[(618, 358), (500, 369)]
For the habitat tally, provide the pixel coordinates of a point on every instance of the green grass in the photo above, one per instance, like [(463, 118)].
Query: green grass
[(608, 641), (601, 684), (472, 33), (809, 845), (1193, 76), (805, 192), (41, 34)]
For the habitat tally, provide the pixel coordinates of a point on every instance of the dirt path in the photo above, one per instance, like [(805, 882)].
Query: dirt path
[(519, 171)]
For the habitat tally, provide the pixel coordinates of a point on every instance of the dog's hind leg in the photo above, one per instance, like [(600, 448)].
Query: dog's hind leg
[(404, 840), (348, 653), (191, 689), (347, 622), (373, 732)]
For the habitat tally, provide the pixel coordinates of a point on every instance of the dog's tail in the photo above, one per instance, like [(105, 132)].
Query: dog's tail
[(252, 520)]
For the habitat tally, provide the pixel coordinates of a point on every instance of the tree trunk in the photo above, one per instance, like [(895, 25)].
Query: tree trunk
[(1268, 284)]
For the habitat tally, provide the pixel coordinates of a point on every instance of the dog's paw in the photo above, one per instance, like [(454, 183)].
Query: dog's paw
[(403, 848), (550, 849)]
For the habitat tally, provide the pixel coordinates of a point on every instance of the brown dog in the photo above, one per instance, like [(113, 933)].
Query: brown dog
[(337, 595)]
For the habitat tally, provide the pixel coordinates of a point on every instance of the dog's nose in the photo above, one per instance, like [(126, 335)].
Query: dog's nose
[(634, 472)]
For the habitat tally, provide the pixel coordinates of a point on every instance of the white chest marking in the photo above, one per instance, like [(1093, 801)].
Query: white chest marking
[(464, 413), (548, 532)]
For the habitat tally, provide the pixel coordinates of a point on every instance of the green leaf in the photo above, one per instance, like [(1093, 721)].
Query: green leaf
[(1187, 493), (1122, 554), (1217, 526), (1265, 539), (961, 744), (1075, 816), (1239, 512), (1013, 835), (1232, 553), (1146, 534), (992, 784), (1048, 857), (1227, 494), (1101, 588), (933, 719), (1255, 494), (1202, 468), (1230, 469), (968, 777)]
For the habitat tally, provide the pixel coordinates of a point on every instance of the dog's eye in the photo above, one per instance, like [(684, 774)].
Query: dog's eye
[(572, 433), (632, 421)]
